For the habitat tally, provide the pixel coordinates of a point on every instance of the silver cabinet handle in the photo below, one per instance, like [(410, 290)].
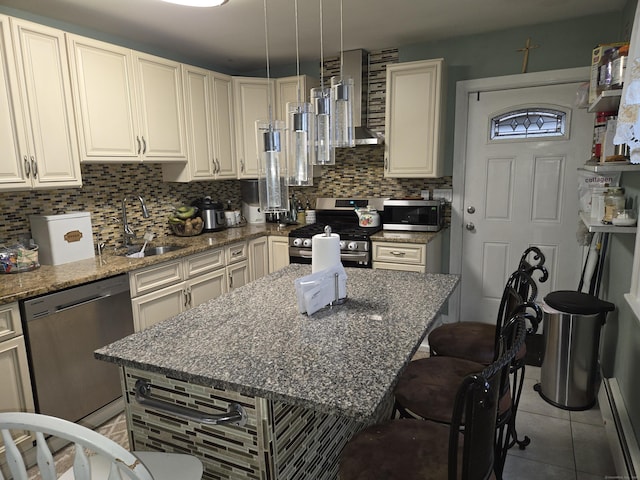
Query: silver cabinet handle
[(397, 253), (27, 167), (386, 163), (217, 165), (139, 144), (144, 146), (235, 416), (34, 166), (230, 280), (242, 165), (187, 297)]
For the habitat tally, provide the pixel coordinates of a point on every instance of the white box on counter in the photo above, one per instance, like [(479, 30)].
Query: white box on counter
[(63, 238)]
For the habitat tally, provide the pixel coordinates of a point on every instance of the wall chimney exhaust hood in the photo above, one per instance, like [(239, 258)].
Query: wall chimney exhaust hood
[(354, 66)]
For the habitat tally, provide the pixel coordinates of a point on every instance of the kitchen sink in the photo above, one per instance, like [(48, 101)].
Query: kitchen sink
[(152, 251)]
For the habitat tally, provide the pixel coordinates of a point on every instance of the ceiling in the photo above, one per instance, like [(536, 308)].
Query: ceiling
[(232, 37)]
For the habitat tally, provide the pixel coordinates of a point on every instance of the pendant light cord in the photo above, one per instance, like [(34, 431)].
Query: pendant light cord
[(321, 50), (297, 55), (341, 46), (266, 41)]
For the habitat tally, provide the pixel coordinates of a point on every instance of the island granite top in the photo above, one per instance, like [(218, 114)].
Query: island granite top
[(343, 360)]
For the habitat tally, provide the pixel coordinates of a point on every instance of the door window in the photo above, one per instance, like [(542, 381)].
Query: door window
[(525, 123)]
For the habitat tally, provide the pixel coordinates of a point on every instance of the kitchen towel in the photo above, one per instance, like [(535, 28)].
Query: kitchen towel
[(325, 251)]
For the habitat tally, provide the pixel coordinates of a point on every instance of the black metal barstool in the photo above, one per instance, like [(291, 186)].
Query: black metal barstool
[(408, 449)]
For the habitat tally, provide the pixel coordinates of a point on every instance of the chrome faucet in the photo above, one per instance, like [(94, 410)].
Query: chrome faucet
[(127, 233)]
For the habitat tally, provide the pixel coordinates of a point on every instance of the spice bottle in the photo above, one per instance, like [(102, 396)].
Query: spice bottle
[(613, 203), (619, 66)]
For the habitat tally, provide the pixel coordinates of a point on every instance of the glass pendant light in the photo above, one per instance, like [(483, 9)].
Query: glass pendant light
[(273, 190), (342, 103), (324, 153), (300, 120)]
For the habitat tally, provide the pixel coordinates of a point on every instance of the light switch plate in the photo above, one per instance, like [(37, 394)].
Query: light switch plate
[(445, 194)]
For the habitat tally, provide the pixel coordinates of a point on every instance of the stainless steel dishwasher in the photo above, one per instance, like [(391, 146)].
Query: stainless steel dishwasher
[(62, 331)]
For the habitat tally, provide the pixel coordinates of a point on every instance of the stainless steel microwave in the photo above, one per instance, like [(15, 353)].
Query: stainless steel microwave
[(413, 215)]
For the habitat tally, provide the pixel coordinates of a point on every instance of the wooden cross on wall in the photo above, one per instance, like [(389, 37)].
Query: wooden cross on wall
[(526, 49)]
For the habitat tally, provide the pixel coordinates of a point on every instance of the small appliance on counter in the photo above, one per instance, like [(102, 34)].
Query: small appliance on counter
[(417, 215), (212, 213), (251, 202)]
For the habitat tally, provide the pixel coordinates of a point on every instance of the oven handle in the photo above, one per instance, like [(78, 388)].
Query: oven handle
[(354, 256)]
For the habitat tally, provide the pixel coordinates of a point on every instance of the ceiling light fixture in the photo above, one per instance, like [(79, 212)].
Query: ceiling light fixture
[(300, 119), (324, 153), (342, 103), (273, 189), (198, 3)]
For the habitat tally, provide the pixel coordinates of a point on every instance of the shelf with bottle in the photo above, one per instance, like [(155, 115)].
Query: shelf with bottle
[(609, 167), (607, 101), (595, 225)]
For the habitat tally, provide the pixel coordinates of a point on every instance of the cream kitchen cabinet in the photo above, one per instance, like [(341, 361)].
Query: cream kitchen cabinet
[(252, 97), (210, 128), (129, 105), (287, 91), (410, 257), (15, 394), (258, 258), (38, 142), (414, 119), (237, 258), (162, 291), (278, 253)]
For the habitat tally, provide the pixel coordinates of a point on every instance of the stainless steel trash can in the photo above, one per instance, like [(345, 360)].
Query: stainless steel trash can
[(572, 324)]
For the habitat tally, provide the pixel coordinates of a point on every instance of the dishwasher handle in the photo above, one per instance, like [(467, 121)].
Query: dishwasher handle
[(69, 306)]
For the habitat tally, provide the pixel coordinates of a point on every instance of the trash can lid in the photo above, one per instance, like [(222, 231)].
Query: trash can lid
[(573, 302)]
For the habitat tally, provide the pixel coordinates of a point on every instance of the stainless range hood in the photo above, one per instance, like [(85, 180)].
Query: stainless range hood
[(354, 62)]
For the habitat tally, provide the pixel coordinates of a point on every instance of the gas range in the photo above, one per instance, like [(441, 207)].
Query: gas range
[(339, 214)]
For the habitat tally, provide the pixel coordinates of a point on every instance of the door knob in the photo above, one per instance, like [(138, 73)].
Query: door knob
[(470, 226), (471, 209)]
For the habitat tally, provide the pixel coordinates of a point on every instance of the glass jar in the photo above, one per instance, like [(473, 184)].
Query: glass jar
[(613, 203)]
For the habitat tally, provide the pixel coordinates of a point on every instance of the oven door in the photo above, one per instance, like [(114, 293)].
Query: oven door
[(348, 259)]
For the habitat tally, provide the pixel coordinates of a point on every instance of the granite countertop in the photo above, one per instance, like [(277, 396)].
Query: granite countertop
[(343, 360), (50, 278)]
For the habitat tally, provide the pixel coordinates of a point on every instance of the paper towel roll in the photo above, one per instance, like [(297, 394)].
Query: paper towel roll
[(325, 251)]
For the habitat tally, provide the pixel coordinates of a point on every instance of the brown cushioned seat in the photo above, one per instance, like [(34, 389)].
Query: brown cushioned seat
[(428, 387), (472, 341)]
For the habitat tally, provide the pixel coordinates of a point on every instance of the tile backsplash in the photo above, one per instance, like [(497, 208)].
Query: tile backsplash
[(358, 172)]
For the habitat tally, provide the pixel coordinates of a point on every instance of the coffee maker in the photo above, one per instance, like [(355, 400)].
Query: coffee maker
[(251, 201)]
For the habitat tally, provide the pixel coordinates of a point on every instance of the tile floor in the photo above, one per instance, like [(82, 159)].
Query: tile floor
[(564, 445)]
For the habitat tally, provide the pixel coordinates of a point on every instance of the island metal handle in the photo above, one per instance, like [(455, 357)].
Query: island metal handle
[(235, 416)]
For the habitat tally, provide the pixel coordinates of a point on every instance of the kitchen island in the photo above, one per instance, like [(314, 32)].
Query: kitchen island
[(306, 383)]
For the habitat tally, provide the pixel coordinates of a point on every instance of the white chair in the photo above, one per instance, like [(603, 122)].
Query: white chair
[(110, 461)]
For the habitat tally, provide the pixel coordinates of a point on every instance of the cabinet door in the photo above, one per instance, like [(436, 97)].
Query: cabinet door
[(13, 142), (10, 323), (251, 99), (287, 91), (224, 140), (157, 306), (206, 287), (414, 119), (238, 274), (258, 258), (15, 394), (161, 106), (43, 71), (278, 253), (104, 92)]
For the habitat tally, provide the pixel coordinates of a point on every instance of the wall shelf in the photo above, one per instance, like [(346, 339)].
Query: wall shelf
[(596, 226), (607, 101), (611, 167)]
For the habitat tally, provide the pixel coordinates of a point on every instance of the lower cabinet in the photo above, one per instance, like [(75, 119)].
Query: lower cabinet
[(15, 394), (278, 253), (258, 258), (410, 257)]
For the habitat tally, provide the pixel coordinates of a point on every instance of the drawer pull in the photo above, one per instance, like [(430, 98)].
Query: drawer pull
[(397, 253), (235, 416)]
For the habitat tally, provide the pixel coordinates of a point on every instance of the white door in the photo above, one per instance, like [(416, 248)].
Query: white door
[(520, 192)]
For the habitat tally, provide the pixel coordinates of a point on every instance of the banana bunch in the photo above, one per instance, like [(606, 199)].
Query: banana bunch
[(185, 222)]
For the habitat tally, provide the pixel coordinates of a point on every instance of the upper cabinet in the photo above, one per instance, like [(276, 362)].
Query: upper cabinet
[(251, 99), (287, 91), (414, 119), (129, 105), (210, 128), (37, 130)]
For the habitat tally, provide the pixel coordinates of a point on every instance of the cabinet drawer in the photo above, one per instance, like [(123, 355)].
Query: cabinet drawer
[(152, 278), (203, 262), (399, 253), (403, 267), (236, 252), (10, 325)]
